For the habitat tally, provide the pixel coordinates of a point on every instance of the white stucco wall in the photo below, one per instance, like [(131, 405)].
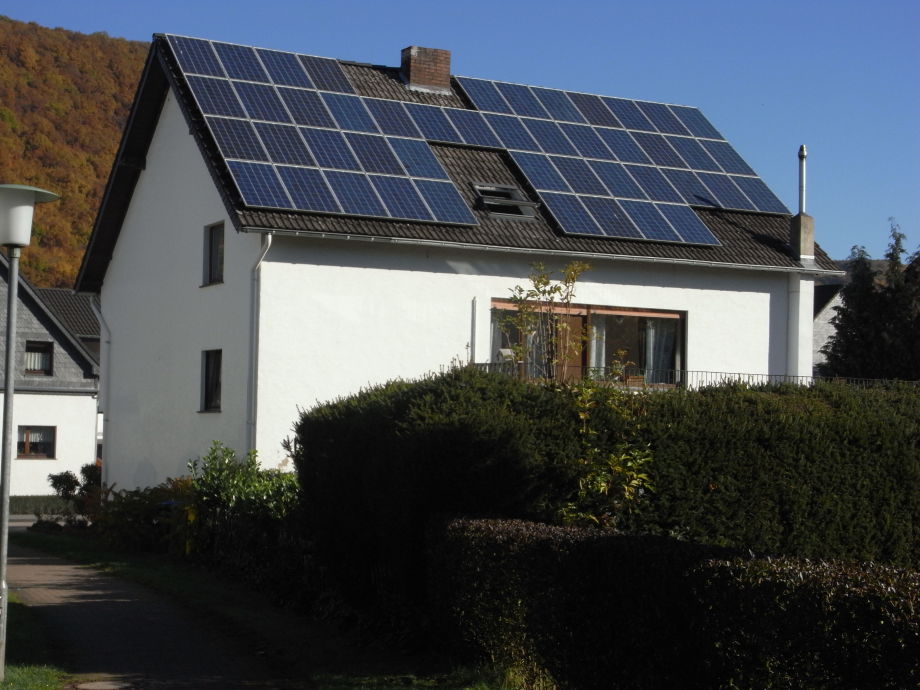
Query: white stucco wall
[(159, 319), (339, 315), (74, 419)]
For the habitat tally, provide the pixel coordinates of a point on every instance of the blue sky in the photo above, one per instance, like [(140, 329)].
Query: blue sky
[(841, 77)]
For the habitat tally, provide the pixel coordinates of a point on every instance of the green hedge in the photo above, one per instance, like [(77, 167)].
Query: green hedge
[(37, 505), (585, 610), (825, 472)]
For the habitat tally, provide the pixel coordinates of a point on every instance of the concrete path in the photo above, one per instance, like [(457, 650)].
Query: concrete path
[(115, 634)]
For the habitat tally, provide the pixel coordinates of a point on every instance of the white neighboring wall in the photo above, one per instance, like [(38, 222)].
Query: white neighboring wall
[(74, 419)]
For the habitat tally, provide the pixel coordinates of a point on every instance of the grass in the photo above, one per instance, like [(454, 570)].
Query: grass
[(306, 649), (29, 656)]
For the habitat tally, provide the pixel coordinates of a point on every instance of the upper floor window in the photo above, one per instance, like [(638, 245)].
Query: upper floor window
[(210, 380), (39, 357), (213, 254), (36, 442)]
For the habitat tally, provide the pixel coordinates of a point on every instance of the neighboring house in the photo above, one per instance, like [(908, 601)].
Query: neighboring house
[(279, 230), (54, 411), (827, 299)]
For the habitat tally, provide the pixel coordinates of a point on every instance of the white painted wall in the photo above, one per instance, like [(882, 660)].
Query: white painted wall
[(160, 318), (73, 417), (337, 316)]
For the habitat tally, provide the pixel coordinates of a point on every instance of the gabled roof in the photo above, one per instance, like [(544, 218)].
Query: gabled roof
[(32, 295), (72, 309), (744, 239)]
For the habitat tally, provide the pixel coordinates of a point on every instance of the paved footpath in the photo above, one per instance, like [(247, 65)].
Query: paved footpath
[(115, 634)]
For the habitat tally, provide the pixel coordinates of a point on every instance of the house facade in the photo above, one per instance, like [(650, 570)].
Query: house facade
[(54, 412), (281, 230)]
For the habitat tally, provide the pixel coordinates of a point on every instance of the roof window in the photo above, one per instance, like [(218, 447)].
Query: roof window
[(504, 201)]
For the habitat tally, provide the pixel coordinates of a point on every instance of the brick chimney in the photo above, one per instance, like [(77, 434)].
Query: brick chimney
[(426, 69)]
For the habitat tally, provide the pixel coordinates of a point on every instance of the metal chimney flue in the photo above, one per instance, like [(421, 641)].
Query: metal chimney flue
[(802, 155)]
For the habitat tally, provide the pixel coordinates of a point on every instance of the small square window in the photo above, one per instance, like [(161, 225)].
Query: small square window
[(214, 254), (36, 442), (39, 358), (210, 380)]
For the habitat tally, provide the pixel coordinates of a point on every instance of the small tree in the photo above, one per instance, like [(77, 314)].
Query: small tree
[(536, 330)]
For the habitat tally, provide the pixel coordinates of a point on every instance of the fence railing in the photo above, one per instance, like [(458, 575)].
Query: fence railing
[(639, 377)]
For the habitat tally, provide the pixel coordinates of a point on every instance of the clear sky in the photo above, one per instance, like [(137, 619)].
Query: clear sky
[(840, 76)]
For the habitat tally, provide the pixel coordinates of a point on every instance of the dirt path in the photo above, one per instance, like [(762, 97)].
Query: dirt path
[(116, 631)]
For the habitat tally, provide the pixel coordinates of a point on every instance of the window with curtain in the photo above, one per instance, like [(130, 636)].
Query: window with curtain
[(36, 442), (39, 358)]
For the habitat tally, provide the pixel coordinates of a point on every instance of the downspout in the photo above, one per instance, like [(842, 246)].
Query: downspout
[(105, 388), (253, 378)]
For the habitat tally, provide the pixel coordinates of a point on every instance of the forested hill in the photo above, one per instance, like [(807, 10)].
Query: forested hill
[(64, 98)]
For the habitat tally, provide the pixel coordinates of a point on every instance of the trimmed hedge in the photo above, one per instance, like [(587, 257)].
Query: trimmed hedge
[(37, 505), (582, 609)]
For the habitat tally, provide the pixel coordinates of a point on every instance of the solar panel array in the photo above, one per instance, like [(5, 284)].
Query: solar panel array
[(296, 136)]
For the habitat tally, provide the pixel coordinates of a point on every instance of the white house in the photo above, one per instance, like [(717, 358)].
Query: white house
[(283, 229), (54, 412)]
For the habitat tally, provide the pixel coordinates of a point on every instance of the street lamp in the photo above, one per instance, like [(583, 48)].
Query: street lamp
[(16, 205)]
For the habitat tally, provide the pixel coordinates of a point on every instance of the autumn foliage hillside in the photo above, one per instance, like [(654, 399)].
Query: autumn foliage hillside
[(64, 99)]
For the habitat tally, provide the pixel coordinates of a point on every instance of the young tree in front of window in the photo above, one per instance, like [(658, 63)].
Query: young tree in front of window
[(878, 326)]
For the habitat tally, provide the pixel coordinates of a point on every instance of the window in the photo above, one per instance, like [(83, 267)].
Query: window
[(640, 345), (210, 380), (503, 200), (39, 358), (214, 254), (36, 442)]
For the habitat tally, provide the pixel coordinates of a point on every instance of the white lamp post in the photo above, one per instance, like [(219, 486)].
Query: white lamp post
[(16, 205)]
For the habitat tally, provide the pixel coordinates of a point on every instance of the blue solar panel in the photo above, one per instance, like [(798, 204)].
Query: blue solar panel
[(400, 197), (726, 191), (549, 136), (261, 102), (196, 56), (662, 118), (691, 188), (374, 153), (594, 110), (216, 97), (658, 149), (696, 122), (758, 192), (306, 107), (445, 202), (433, 123), (727, 157), (240, 62), (617, 180), (587, 141), (284, 68), (693, 153), (472, 127), (654, 183), (610, 217), (259, 185), (571, 215), (355, 193), (326, 74), (484, 95), (579, 175), (308, 189), (539, 171), (237, 139), (521, 100), (622, 145), (417, 158), (512, 133), (650, 221), (391, 117), (688, 225), (349, 112), (629, 114), (329, 149), (558, 104), (284, 144)]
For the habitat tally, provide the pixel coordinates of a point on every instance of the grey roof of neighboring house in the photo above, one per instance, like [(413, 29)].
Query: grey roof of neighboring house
[(72, 309), (748, 239)]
